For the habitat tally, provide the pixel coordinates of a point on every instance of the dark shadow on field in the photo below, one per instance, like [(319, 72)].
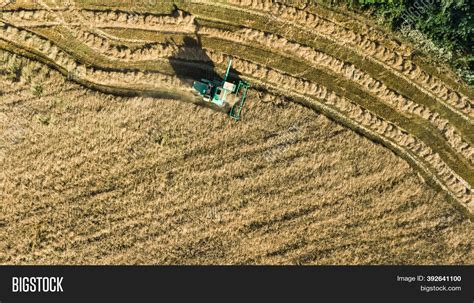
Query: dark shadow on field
[(191, 63), (234, 76)]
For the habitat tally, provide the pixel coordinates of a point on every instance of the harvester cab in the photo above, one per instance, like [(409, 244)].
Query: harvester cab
[(223, 93)]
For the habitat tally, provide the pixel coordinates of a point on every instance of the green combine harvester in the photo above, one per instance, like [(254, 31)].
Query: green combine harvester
[(223, 93)]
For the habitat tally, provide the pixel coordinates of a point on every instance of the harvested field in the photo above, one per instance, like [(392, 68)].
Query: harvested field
[(350, 150)]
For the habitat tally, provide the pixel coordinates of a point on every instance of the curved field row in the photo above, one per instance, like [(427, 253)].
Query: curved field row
[(99, 73), (352, 73), (348, 70), (371, 49), (178, 23), (281, 81), (154, 51), (81, 72), (190, 55), (112, 19)]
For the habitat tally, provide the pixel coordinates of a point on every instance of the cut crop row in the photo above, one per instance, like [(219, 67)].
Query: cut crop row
[(456, 185), (372, 50)]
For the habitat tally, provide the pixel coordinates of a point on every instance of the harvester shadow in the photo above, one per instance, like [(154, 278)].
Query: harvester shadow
[(191, 63), (234, 76)]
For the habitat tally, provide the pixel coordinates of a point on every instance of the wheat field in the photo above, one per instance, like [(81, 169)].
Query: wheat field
[(350, 150)]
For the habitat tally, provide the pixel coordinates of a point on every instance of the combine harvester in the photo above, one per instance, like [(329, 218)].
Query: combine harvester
[(223, 93)]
